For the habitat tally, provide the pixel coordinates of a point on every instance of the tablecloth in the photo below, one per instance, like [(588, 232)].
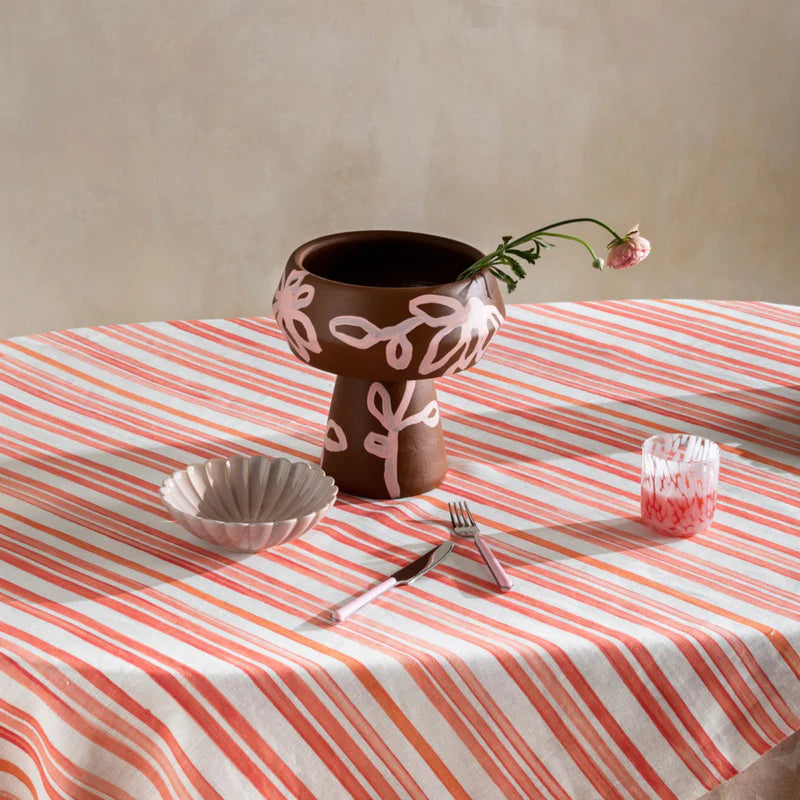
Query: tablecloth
[(136, 662)]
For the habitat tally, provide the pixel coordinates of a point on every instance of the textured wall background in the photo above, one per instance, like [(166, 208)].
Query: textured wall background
[(161, 159)]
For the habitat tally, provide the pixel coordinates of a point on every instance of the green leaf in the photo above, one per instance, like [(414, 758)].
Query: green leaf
[(507, 279), (516, 268), (526, 255)]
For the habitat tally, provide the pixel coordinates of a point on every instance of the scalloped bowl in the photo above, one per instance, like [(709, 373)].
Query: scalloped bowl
[(248, 503)]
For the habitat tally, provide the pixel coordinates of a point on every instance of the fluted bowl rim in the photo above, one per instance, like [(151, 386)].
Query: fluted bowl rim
[(303, 496)]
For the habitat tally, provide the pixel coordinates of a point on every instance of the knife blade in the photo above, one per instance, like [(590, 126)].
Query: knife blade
[(404, 576)]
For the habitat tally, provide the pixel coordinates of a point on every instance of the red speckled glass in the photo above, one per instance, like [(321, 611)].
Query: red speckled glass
[(680, 473)]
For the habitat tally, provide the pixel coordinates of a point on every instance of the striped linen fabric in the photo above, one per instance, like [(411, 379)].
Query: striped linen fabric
[(137, 663)]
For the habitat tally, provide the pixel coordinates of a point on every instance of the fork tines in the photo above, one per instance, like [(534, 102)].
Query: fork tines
[(460, 515)]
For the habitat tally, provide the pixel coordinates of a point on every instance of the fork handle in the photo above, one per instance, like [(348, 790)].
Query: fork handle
[(495, 567)]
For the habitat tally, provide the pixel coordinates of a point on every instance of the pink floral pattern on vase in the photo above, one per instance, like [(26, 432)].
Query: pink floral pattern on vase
[(482, 318), (477, 316), (398, 347), (292, 296), (386, 445), (679, 483), (335, 440)]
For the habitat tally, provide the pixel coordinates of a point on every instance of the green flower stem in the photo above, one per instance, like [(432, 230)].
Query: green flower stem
[(531, 236), (581, 219), (574, 239)]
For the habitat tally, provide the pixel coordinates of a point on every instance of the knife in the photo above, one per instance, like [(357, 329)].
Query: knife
[(408, 574)]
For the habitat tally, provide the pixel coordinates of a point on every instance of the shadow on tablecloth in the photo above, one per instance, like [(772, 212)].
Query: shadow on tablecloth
[(759, 426)]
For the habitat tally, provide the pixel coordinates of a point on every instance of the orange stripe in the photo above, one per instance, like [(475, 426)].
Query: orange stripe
[(162, 578), (777, 639), (135, 653), (11, 769), (461, 622), (714, 333), (663, 343)]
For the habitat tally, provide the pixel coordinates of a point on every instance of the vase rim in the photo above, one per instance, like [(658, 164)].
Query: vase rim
[(298, 256)]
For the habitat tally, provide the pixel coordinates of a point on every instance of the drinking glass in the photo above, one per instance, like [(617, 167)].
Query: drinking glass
[(680, 473)]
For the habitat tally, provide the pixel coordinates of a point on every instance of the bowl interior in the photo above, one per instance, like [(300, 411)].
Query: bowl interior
[(249, 490), (388, 258)]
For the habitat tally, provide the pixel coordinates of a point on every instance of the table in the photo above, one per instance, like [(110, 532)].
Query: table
[(136, 662)]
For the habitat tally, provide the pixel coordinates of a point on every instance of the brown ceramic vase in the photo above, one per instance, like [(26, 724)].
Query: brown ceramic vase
[(383, 312)]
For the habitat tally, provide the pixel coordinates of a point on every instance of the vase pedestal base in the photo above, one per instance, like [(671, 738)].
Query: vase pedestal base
[(384, 438)]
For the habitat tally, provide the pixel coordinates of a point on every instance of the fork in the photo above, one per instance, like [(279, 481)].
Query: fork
[(465, 525)]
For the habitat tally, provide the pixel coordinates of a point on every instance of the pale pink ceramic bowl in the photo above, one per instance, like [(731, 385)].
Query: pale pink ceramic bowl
[(248, 503)]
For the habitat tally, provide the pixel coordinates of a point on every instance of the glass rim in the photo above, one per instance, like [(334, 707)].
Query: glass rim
[(713, 456)]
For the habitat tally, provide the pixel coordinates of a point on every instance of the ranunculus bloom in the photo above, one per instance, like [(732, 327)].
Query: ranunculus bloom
[(629, 251)]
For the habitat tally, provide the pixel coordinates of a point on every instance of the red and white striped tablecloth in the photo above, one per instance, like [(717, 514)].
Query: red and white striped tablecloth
[(137, 663)]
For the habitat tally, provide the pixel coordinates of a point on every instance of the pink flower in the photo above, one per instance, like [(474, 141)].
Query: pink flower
[(630, 250)]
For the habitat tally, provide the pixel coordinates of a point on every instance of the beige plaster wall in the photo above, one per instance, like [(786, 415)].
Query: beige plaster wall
[(161, 159)]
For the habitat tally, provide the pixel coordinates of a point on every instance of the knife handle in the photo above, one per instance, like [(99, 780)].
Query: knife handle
[(495, 567), (343, 612)]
